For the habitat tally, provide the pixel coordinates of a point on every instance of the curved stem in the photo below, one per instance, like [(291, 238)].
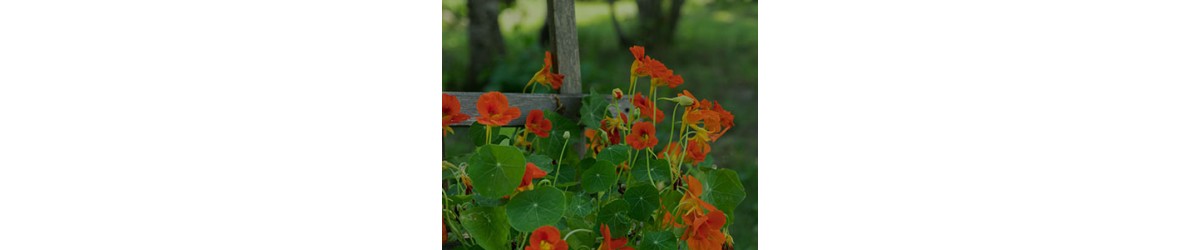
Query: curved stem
[(573, 232), (561, 153)]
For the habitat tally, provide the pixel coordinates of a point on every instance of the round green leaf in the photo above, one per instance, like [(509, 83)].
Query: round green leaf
[(616, 215), (662, 240), (600, 177), (531, 209), (487, 226), (723, 189), (495, 170), (659, 170), (615, 154), (580, 205), (643, 200)]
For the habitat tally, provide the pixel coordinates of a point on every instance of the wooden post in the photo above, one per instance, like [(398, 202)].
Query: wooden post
[(564, 44)]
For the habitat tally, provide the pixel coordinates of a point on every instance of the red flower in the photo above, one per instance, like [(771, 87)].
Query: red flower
[(545, 77), (537, 123), (612, 244), (531, 172), (642, 136), (644, 106), (612, 126), (494, 110), (546, 238), (444, 235), (450, 113)]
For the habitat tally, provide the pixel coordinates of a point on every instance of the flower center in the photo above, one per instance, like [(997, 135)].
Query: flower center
[(545, 246)]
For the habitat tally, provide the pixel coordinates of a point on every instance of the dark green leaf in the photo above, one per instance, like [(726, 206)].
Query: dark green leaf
[(580, 205), (659, 170), (600, 177), (488, 226), (661, 240), (592, 111), (615, 154), (723, 189), (615, 214), (531, 209), (495, 170), (643, 200)]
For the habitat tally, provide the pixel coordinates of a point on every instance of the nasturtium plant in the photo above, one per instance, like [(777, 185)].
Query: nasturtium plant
[(534, 208), (614, 178), (486, 226), (496, 170), (599, 177), (643, 201)]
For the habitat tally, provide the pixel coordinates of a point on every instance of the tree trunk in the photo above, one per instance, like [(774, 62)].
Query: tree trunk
[(656, 27), (484, 39)]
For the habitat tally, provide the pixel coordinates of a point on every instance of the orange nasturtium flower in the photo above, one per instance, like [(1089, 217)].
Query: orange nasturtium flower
[(644, 106), (612, 244), (642, 136), (545, 77), (450, 113), (537, 123), (703, 220), (726, 119), (711, 121), (594, 141), (546, 238), (697, 150), (494, 110), (531, 172)]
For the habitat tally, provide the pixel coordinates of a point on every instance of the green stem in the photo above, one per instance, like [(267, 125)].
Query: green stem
[(489, 135), (648, 171), (561, 153), (671, 136), (573, 232)]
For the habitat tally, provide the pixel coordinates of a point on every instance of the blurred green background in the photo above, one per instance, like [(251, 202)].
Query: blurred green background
[(714, 46)]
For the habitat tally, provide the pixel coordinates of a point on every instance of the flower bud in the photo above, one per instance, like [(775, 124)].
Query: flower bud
[(566, 134), (617, 94), (681, 100)]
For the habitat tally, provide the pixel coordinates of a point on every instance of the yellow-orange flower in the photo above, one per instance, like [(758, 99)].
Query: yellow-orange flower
[(711, 123), (642, 136), (546, 238), (494, 110), (547, 78), (703, 220), (450, 113)]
